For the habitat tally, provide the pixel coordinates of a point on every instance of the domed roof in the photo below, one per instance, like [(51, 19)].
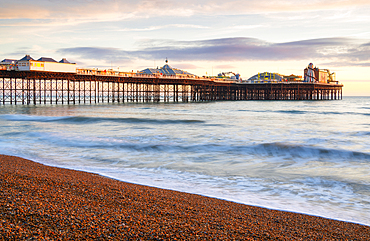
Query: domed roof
[(266, 75), (165, 70)]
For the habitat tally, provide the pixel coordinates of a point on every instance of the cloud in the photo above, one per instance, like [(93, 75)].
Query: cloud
[(109, 10), (243, 27), (345, 64), (96, 53), (187, 66), (224, 66), (152, 28), (335, 50)]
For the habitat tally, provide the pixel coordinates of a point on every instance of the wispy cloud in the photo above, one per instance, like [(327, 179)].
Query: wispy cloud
[(152, 28), (347, 51), (108, 10), (187, 66), (242, 27), (224, 66)]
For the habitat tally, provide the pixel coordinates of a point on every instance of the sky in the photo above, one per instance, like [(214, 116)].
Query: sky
[(204, 37)]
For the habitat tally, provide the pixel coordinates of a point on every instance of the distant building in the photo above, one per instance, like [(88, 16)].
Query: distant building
[(293, 78), (167, 70), (7, 64), (310, 74), (8, 61), (25, 58), (27, 63), (314, 74)]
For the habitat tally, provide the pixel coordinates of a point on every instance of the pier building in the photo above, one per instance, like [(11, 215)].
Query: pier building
[(314, 74), (27, 63), (6, 63), (265, 77), (167, 70)]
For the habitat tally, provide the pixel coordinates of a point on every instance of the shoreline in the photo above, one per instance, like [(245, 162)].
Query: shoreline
[(49, 202)]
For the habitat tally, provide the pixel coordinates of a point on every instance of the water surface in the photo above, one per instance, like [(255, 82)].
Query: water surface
[(302, 156)]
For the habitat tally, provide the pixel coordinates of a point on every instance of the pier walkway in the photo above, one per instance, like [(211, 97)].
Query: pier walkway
[(32, 87)]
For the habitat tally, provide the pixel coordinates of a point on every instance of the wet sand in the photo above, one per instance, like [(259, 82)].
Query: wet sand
[(42, 202)]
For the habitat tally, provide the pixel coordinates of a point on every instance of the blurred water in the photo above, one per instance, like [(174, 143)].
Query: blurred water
[(303, 156)]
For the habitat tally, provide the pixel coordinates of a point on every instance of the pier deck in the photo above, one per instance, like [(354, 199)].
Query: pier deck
[(31, 87)]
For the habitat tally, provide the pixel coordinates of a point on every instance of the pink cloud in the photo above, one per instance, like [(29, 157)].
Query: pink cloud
[(112, 9)]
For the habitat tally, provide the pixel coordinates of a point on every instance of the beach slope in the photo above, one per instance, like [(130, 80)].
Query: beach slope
[(42, 202)]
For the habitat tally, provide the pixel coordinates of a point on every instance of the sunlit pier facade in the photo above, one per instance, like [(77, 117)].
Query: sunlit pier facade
[(40, 87)]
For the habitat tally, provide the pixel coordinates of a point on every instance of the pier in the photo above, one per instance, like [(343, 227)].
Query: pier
[(39, 87)]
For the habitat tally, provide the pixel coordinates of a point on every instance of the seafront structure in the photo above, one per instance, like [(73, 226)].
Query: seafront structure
[(45, 81), (167, 70), (27, 63)]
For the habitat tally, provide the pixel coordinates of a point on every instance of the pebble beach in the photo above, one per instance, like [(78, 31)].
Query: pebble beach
[(49, 203)]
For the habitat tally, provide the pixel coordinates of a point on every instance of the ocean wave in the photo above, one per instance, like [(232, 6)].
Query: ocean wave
[(156, 144), (301, 112), (31, 118), (279, 149), (361, 133), (333, 113), (94, 120), (291, 111), (342, 113)]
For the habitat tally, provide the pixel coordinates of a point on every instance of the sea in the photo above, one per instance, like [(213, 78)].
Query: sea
[(310, 157)]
